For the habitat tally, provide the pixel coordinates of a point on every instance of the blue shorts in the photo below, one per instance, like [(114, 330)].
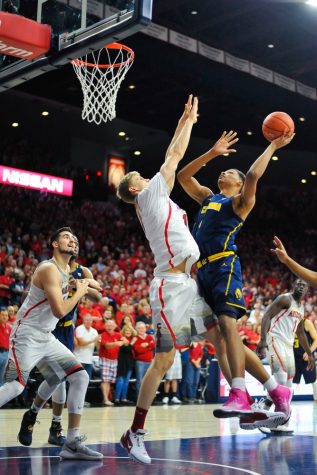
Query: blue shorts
[(65, 335), (220, 283), (301, 370)]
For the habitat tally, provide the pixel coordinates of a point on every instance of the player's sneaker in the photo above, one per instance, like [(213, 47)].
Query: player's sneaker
[(175, 400), (280, 430), (165, 400), (263, 403), (56, 436), (26, 429), (262, 418), (133, 442), (236, 405), (250, 398), (79, 451), (281, 397)]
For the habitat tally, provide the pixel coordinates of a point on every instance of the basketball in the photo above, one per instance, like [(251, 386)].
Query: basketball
[(275, 124)]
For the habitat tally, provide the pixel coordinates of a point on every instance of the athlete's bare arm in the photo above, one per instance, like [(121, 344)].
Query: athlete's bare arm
[(180, 124), (302, 338), (94, 287), (310, 328), (177, 150), (307, 275), (47, 278), (186, 176), (281, 302), (245, 201)]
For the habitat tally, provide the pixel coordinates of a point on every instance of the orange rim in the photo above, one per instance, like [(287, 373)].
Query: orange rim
[(80, 62)]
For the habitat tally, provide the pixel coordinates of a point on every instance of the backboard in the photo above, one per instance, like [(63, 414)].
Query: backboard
[(78, 26)]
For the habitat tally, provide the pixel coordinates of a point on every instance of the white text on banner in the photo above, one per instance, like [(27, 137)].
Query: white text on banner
[(237, 63), (157, 31), (284, 81), (306, 90), (183, 41), (261, 73), (211, 53)]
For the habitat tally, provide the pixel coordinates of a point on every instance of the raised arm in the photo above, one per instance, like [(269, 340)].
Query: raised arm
[(307, 275), (177, 149), (48, 279), (246, 199), (283, 301), (186, 176), (181, 123)]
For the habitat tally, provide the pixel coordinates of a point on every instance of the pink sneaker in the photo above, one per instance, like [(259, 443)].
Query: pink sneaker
[(281, 397), (236, 405), (250, 398)]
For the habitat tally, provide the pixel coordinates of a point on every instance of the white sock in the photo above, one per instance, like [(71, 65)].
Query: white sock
[(238, 383), (270, 384), (72, 434), (56, 418)]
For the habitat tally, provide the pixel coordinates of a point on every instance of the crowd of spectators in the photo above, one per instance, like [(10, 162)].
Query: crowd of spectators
[(113, 246)]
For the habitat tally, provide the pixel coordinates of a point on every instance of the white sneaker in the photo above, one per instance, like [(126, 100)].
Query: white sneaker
[(76, 450), (133, 442), (263, 403), (165, 400), (175, 400)]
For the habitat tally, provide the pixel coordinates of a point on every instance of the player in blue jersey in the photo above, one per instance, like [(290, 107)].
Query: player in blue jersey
[(220, 218)]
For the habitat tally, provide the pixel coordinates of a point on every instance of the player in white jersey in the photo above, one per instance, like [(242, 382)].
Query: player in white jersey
[(172, 291), (32, 344), (281, 321)]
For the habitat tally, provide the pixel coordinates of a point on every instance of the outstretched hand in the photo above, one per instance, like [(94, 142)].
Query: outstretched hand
[(284, 139), (224, 144), (279, 250), (191, 110)]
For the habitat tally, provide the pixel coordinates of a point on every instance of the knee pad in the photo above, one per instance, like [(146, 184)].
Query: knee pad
[(9, 391), (78, 383), (281, 377), (45, 391), (59, 395)]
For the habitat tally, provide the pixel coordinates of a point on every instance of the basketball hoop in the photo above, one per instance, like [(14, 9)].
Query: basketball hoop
[(100, 83)]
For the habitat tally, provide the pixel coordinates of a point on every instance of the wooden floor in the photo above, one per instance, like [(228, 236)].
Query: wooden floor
[(180, 436)]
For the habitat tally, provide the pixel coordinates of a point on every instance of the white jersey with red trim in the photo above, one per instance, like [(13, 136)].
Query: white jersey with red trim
[(165, 226), (284, 324), (35, 311)]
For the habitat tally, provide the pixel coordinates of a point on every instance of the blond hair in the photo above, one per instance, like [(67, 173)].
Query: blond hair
[(128, 327), (123, 191)]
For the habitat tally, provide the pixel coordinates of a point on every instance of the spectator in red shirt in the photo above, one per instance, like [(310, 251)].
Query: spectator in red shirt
[(125, 310), (5, 281), (195, 356), (86, 307), (5, 330), (142, 352), (110, 344)]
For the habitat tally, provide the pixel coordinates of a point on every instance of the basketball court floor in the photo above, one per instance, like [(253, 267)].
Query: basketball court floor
[(183, 439)]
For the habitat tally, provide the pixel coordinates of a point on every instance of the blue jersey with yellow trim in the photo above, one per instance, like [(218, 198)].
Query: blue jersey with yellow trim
[(216, 226)]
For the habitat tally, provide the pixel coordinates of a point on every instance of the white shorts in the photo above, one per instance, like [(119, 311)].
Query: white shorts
[(281, 357), (175, 371), (178, 311), (30, 348)]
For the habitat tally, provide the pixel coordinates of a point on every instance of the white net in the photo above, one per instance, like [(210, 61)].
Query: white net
[(100, 74)]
